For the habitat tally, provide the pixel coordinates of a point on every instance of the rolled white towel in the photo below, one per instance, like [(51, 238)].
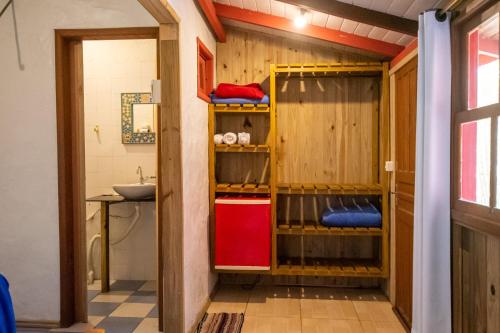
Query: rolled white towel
[(244, 138), (218, 139), (230, 138)]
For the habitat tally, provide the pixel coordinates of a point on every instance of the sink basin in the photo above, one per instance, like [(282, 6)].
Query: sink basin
[(136, 191)]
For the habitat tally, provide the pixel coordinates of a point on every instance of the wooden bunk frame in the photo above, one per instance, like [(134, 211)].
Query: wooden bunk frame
[(302, 265)]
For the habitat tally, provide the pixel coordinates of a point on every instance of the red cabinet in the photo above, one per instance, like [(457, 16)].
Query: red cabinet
[(243, 233)]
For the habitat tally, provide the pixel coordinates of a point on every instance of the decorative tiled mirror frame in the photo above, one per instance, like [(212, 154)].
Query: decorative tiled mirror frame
[(128, 134)]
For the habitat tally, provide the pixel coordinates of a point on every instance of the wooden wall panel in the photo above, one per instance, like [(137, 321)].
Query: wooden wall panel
[(476, 281), (246, 55), (325, 130)]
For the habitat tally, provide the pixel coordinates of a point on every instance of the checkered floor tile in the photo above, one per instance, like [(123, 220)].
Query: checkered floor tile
[(130, 307)]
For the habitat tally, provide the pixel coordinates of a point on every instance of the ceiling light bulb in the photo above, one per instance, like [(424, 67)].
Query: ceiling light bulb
[(300, 21)]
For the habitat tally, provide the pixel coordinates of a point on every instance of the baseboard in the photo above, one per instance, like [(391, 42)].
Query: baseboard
[(200, 315), (401, 320), (40, 324)]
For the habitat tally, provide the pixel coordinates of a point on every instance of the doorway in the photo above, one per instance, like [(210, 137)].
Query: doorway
[(71, 170), (120, 179), (405, 121)]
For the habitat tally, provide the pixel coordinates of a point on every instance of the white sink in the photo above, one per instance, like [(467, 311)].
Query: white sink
[(136, 191)]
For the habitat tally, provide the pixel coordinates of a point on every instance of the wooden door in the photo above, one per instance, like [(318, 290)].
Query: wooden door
[(406, 105)]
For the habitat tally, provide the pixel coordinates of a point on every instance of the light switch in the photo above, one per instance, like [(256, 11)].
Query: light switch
[(389, 166), (156, 91)]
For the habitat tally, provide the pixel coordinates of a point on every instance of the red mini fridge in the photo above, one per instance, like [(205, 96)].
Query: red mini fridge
[(243, 233)]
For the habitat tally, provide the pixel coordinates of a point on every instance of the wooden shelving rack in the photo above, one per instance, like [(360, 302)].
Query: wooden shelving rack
[(376, 267), (237, 114)]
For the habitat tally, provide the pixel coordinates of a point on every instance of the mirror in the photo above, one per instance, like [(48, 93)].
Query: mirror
[(138, 118)]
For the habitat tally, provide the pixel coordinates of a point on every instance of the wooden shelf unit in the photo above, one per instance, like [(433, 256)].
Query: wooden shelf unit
[(328, 70), (242, 188), (240, 108), (328, 267), (302, 228), (330, 189), (377, 267), (235, 114), (311, 228), (225, 148)]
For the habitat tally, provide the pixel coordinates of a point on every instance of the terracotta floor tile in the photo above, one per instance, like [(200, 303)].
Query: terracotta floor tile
[(327, 308), (382, 327), (274, 302), (317, 325), (374, 311), (254, 324), (230, 299)]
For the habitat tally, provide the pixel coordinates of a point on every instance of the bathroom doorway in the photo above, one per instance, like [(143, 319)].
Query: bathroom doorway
[(120, 126), (71, 127)]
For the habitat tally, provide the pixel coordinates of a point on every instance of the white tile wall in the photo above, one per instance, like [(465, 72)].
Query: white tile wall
[(111, 68)]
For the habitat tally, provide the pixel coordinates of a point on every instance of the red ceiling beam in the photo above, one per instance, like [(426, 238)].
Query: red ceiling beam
[(281, 23), (207, 6), (407, 50)]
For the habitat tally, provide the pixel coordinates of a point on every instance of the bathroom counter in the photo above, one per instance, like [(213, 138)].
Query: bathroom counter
[(116, 199), (106, 201)]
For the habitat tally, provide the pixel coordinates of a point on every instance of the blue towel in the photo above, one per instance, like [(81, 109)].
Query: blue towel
[(7, 320), (366, 216), (216, 100)]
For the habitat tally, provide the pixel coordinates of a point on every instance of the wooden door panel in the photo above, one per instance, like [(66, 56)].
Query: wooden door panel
[(406, 103), (404, 268)]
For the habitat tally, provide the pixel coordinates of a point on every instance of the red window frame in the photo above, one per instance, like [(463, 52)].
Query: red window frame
[(205, 65)]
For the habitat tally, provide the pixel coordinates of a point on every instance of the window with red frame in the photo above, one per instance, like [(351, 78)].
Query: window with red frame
[(477, 120), (205, 71)]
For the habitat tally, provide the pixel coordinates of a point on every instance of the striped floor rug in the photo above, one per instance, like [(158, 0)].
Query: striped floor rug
[(221, 323)]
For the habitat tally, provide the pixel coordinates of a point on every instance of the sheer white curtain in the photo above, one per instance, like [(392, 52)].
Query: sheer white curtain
[(431, 249)]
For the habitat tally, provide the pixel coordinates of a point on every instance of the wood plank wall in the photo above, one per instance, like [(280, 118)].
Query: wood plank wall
[(476, 281), (325, 130), (246, 55)]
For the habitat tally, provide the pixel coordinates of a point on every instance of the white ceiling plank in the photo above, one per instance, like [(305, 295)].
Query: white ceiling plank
[(405, 40), (334, 22), (250, 5), (363, 29), (399, 7), (363, 3), (264, 6), (377, 33), (381, 5), (291, 11), (417, 7), (348, 26), (236, 3), (392, 37), (277, 8), (319, 19)]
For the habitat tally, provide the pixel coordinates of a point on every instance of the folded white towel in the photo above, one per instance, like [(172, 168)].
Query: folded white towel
[(230, 138), (218, 139), (244, 138)]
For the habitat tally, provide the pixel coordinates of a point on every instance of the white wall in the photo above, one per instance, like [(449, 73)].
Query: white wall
[(29, 245), (29, 250), (110, 68), (198, 281)]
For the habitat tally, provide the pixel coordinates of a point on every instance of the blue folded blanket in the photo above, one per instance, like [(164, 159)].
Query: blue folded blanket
[(216, 100), (7, 320), (366, 216)]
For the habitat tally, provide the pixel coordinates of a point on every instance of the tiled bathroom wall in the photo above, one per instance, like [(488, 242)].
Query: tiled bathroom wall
[(111, 68)]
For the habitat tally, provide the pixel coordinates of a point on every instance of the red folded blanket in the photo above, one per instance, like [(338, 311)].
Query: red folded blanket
[(251, 91)]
